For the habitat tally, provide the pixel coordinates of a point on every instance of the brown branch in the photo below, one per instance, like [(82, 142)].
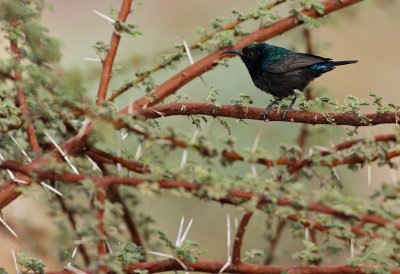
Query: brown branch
[(72, 221), (294, 116), (232, 194), (101, 246), (237, 245), (112, 51), (245, 268), (106, 158), (115, 196), (209, 61), (274, 242), (34, 144)]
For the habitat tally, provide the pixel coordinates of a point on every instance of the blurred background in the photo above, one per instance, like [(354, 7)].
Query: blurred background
[(368, 32)]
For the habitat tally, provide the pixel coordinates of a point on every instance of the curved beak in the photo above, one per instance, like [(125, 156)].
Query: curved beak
[(238, 52)]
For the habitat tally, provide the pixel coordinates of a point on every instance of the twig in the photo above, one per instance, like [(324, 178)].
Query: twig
[(237, 245), (245, 268), (112, 51), (30, 130), (294, 116), (273, 243)]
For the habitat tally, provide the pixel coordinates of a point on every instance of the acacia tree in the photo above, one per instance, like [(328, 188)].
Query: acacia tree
[(54, 136)]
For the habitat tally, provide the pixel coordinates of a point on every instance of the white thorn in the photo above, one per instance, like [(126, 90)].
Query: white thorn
[(254, 170), (236, 223), (185, 233), (180, 230), (369, 171), (72, 256), (15, 261), (94, 60), (336, 174), (306, 233), (8, 228), (256, 141), (189, 54), (11, 174), (184, 158), (74, 269), (104, 16), (139, 151), (109, 246), (20, 148), (161, 254), (51, 188), (94, 164), (63, 154), (83, 127), (352, 248)]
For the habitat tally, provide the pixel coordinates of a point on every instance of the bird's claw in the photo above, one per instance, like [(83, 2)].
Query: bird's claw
[(265, 113), (285, 111)]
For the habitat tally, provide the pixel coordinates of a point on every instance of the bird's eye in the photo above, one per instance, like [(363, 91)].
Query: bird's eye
[(250, 54)]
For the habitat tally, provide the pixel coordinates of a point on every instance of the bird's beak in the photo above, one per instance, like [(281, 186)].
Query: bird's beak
[(238, 52)]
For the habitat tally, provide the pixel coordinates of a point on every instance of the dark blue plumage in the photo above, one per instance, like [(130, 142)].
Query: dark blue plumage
[(279, 71)]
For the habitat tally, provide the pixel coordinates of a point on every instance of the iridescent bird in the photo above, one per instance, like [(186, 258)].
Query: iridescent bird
[(279, 71)]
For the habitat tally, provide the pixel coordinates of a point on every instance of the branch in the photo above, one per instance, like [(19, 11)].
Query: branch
[(109, 61), (295, 116), (231, 196), (245, 268), (34, 144), (237, 245), (209, 61)]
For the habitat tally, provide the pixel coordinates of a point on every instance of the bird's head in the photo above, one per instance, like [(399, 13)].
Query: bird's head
[(252, 55)]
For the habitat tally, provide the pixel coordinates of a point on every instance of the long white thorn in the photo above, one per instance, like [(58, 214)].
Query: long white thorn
[(8, 228), (180, 230), (72, 256), (94, 60), (185, 233), (15, 261), (46, 186), (63, 154), (109, 19)]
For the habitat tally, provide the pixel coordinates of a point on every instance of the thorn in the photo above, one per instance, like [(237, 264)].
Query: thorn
[(95, 166), (51, 188), (63, 154), (109, 247), (352, 248), (94, 60), (15, 261), (180, 230), (139, 150), (104, 16), (306, 233), (369, 171), (8, 228), (185, 233), (189, 54), (11, 174), (74, 269), (72, 256)]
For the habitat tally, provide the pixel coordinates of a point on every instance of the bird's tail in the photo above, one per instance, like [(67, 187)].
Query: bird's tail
[(341, 63)]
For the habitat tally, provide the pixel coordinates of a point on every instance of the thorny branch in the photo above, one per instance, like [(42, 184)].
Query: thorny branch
[(112, 52)]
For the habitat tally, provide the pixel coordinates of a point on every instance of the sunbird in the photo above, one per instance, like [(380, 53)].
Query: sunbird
[(279, 71)]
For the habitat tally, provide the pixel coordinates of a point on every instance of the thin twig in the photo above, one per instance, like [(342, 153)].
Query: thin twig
[(237, 245), (112, 52)]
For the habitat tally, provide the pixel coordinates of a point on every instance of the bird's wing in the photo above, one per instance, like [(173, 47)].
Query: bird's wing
[(293, 62)]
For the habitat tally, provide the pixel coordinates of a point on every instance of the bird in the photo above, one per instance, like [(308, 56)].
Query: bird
[(280, 71)]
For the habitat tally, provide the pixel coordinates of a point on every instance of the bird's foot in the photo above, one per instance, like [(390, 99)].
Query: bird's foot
[(265, 112), (285, 111)]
